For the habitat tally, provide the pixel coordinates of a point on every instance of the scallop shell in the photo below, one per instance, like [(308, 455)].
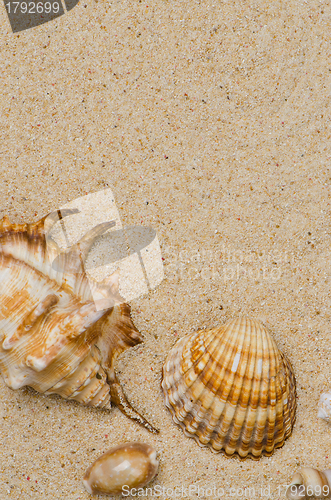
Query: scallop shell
[(52, 336), (231, 389)]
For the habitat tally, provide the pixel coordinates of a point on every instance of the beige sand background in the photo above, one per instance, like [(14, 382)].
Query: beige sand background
[(210, 121)]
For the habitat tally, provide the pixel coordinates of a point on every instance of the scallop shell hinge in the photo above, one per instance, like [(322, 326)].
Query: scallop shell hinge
[(231, 389), (52, 336)]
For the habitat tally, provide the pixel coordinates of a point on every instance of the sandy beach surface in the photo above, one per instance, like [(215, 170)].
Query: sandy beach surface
[(210, 123)]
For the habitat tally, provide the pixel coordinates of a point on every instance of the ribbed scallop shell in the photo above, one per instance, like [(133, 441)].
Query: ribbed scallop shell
[(52, 336), (231, 389)]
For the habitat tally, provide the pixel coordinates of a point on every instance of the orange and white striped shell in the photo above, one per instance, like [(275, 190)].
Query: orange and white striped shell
[(53, 337), (231, 389)]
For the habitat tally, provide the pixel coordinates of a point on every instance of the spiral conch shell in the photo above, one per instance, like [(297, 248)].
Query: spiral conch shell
[(231, 389), (53, 337), (310, 483)]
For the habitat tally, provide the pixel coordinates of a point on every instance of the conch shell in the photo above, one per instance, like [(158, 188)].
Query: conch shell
[(310, 483), (231, 389), (52, 336)]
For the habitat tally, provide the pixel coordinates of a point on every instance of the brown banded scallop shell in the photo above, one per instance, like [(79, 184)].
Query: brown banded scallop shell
[(52, 336), (231, 389)]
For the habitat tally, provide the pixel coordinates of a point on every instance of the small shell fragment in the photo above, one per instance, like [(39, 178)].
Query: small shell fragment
[(130, 465), (324, 406), (310, 483)]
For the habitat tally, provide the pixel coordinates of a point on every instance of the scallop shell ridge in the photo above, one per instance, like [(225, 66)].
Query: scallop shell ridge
[(231, 389)]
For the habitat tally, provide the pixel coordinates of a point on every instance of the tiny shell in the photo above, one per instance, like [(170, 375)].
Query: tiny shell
[(310, 483), (231, 389), (131, 464), (324, 406)]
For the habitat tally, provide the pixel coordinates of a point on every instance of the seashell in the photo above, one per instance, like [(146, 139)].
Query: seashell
[(324, 406), (310, 483), (129, 465), (53, 337), (231, 389)]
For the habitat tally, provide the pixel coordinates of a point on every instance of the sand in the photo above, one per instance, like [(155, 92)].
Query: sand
[(210, 123)]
